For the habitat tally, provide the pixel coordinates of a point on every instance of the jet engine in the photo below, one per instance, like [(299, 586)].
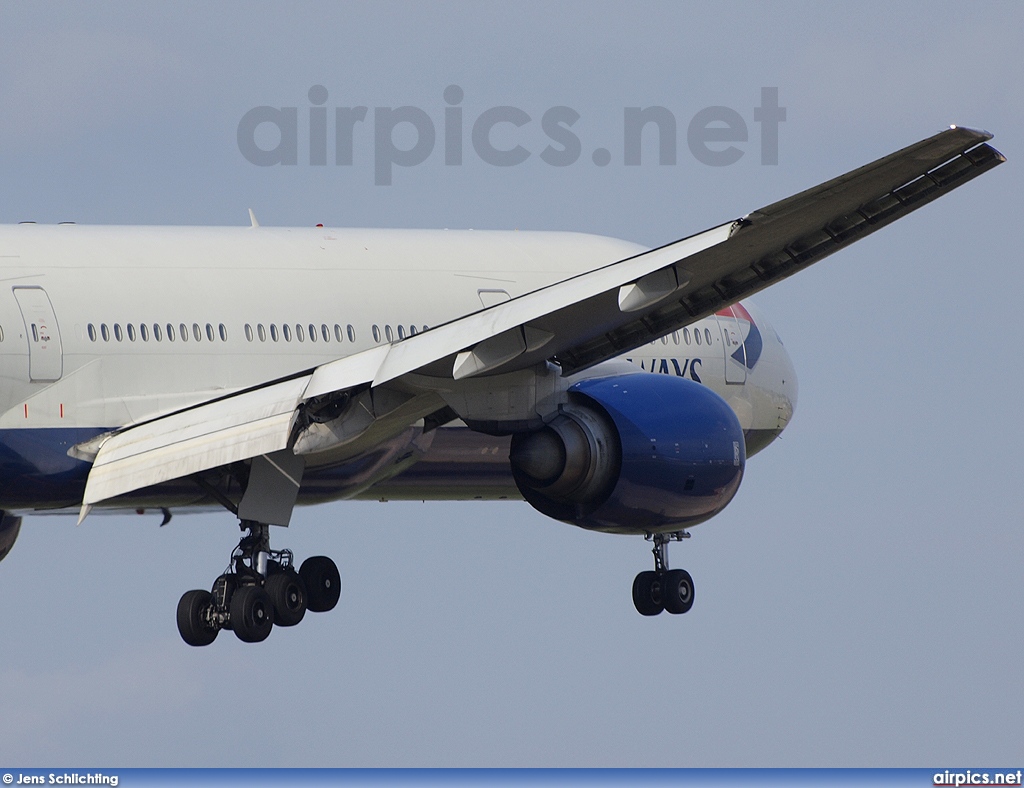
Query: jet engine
[(636, 453)]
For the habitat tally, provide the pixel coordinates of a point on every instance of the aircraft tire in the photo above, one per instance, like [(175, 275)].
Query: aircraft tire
[(192, 625), (323, 583), (252, 614), (647, 594), (287, 593), (677, 591)]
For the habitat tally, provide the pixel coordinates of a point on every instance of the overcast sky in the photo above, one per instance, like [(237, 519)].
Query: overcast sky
[(860, 601)]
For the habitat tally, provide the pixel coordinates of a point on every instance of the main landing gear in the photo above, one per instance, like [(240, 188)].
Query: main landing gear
[(664, 588), (260, 588)]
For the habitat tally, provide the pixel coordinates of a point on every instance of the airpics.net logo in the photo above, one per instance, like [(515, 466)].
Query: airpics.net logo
[(500, 136), (956, 779)]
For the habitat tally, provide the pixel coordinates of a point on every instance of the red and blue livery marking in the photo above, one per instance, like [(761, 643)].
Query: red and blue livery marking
[(752, 343)]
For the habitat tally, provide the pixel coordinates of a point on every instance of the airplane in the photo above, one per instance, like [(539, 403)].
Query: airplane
[(611, 386)]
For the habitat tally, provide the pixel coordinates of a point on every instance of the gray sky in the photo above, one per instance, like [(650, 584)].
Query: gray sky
[(858, 604)]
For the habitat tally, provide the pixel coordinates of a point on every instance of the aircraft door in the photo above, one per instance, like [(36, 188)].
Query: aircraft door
[(733, 347), (45, 355)]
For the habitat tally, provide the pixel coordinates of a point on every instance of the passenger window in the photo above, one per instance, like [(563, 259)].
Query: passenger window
[(675, 337), (376, 333), (144, 332), (92, 332), (389, 334), (273, 331), (197, 332), (287, 331), (223, 333), (707, 335), (131, 332), (262, 332), (248, 332), (401, 332), (118, 334), (412, 330), (156, 332), (696, 335), (209, 332), (686, 336), (170, 333), (183, 330), (299, 333), (325, 332), (351, 333), (664, 340), (105, 332), (312, 333)]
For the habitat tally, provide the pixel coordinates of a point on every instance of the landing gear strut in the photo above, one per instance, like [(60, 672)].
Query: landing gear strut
[(664, 588), (260, 588)]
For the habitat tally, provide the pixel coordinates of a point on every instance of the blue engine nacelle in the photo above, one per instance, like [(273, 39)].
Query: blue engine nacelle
[(637, 453)]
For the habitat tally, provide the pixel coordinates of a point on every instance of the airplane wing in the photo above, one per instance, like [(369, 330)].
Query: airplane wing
[(598, 315), (575, 323)]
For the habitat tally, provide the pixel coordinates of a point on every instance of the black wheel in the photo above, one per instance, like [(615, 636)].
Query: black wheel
[(323, 583), (192, 623), (677, 591), (252, 614), (287, 593), (647, 594)]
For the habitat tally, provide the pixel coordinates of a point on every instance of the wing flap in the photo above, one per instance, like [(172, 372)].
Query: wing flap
[(218, 433)]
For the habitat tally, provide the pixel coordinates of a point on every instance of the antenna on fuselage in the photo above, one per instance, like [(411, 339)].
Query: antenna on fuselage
[(252, 218)]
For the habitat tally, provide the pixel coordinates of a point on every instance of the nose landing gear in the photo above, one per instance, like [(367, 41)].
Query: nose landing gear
[(261, 588), (664, 588)]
